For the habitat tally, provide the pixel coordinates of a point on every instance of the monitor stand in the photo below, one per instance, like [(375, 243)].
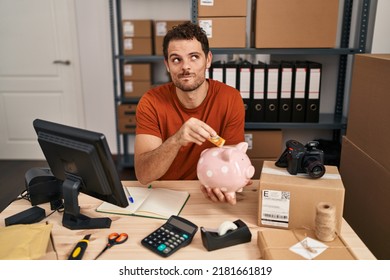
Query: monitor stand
[(72, 219)]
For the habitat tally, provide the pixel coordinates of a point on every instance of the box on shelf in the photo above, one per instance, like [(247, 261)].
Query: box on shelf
[(134, 89), (126, 118), (289, 201), (263, 145), (137, 46), (126, 125), (224, 32), (275, 244), (222, 8), (161, 27), (136, 72), (296, 23), (367, 196), (136, 28), (126, 109), (368, 116), (126, 122)]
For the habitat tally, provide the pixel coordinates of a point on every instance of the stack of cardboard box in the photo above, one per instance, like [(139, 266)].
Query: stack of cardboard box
[(365, 154), (224, 21), (137, 37), (288, 203), (126, 118), (137, 80)]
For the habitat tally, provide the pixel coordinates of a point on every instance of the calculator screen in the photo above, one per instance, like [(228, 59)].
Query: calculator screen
[(181, 225)]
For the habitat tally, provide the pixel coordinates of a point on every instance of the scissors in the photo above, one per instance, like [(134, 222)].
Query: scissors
[(114, 239)]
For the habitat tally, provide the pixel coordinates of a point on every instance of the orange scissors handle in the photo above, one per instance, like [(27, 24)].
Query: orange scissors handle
[(114, 239)]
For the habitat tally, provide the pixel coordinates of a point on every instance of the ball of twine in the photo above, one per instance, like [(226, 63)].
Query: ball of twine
[(325, 222)]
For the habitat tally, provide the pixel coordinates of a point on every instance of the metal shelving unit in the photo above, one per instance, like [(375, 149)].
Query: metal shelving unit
[(336, 121)]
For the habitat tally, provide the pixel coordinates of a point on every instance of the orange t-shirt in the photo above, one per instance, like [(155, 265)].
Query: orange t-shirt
[(160, 113)]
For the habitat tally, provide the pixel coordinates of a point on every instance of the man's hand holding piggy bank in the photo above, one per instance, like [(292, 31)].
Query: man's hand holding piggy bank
[(224, 171)]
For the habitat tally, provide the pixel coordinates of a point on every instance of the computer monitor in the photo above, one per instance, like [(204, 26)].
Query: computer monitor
[(83, 161)]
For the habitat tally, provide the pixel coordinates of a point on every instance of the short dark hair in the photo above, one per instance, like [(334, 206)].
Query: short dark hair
[(186, 31)]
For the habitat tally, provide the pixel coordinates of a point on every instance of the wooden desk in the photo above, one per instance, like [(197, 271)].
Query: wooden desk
[(199, 210)]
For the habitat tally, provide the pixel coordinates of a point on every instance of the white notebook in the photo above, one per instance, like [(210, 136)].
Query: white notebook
[(159, 203)]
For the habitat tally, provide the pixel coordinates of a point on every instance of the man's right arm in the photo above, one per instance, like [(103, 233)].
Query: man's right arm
[(152, 158)]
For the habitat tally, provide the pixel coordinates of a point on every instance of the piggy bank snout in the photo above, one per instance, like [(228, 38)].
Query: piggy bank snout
[(250, 172)]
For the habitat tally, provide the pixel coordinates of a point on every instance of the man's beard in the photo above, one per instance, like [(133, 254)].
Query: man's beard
[(188, 87)]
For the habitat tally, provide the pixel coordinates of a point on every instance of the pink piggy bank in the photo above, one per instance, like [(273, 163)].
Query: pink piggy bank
[(228, 168)]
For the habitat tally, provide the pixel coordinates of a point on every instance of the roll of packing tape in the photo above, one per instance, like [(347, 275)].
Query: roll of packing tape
[(325, 222), (225, 227)]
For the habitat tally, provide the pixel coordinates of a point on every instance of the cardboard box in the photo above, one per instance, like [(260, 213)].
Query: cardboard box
[(258, 164), (136, 88), (126, 109), (126, 118), (225, 32), (275, 244), (369, 116), (127, 124), (136, 28), (289, 201), (367, 196), (137, 72), (161, 27), (264, 143), (222, 8), (137, 46), (296, 23)]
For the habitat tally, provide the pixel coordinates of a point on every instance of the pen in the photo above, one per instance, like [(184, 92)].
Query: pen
[(129, 195)]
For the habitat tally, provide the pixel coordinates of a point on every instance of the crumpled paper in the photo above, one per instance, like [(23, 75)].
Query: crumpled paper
[(24, 242)]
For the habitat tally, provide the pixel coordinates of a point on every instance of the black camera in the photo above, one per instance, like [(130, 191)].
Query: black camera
[(302, 159)]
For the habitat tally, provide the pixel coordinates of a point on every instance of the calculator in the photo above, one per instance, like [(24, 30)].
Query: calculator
[(176, 233)]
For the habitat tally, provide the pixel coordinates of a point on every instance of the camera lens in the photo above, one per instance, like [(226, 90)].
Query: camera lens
[(315, 169)]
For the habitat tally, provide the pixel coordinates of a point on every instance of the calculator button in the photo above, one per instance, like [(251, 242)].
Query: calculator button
[(185, 236), (167, 250), (161, 247)]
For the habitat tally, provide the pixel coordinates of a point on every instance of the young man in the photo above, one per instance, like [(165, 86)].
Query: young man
[(175, 120)]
